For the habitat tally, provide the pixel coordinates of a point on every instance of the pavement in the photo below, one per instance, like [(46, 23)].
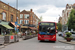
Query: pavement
[(34, 44), (64, 41), (2, 46)]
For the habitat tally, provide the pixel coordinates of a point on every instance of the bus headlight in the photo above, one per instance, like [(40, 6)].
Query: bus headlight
[(53, 36), (39, 36)]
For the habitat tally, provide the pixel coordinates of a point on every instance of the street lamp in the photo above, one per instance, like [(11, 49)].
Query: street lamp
[(16, 10), (16, 15)]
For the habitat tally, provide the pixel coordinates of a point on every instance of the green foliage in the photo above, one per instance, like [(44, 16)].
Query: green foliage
[(59, 27), (68, 33), (71, 20), (10, 33), (16, 32), (40, 19), (30, 33), (68, 37)]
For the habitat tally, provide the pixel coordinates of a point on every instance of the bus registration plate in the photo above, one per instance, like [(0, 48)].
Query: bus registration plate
[(46, 40), (46, 36)]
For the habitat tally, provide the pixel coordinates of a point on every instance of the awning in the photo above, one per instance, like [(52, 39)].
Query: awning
[(7, 26), (14, 24), (33, 28), (24, 26)]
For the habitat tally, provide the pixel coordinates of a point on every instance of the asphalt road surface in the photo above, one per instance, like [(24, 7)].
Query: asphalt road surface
[(34, 44)]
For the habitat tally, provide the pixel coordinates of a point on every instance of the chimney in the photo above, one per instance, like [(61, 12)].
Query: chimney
[(31, 10)]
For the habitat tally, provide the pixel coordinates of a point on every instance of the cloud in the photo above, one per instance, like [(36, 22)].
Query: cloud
[(51, 12), (42, 9), (57, 3), (48, 9)]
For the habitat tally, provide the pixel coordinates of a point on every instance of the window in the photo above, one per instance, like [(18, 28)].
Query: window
[(21, 15), (11, 18), (4, 16), (26, 16), (34, 16), (69, 13), (70, 7), (26, 21), (21, 21)]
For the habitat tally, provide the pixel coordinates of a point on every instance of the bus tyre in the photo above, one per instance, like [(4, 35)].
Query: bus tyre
[(41, 40), (54, 41)]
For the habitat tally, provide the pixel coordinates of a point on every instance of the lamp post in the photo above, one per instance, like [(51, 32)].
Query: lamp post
[(16, 14), (16, 9)]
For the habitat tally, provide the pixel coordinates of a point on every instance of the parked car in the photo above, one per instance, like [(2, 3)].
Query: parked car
[(64, 33), (73, 34), (60, 33)]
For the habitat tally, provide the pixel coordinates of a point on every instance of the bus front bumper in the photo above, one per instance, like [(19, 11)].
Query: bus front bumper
[(47, 39)]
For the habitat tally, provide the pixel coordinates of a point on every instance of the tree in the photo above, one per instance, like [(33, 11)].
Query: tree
[(59, 25), (40, 19), (71, 20)]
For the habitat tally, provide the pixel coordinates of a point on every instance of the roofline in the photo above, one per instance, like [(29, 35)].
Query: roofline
[(9, 5)]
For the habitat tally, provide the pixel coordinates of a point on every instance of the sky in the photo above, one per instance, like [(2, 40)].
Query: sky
[(50, 10)]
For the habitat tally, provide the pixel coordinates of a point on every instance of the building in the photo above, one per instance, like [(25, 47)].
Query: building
[(60, 20), (28, 20), (8, 13), (66, 13)]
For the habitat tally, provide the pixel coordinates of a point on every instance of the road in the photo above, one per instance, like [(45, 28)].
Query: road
[(34, 44)]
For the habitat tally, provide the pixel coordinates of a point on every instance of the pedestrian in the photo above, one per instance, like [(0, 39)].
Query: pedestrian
[(26, 32), (5, 32)]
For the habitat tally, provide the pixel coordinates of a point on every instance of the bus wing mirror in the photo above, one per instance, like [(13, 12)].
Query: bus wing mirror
[(56, 27)]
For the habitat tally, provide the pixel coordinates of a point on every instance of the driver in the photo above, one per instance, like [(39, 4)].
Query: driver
[(49, 30)]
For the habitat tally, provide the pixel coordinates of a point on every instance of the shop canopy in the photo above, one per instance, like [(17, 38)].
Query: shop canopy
[(24, 26), (14, 24), (33, 28), (7, 26)]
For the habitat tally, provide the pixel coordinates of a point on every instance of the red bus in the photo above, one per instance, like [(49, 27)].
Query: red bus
[(47, 31)]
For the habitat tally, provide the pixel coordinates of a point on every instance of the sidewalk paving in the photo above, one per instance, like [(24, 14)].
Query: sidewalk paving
[(2, 46), (64, 41)]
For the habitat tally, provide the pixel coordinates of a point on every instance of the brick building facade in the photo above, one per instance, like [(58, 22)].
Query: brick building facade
[(28, 18), (8, 13)]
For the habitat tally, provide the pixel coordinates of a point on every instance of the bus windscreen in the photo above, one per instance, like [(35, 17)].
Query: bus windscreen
[(47, 28)]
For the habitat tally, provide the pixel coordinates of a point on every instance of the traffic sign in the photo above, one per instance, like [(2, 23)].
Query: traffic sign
[(15, 23)]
